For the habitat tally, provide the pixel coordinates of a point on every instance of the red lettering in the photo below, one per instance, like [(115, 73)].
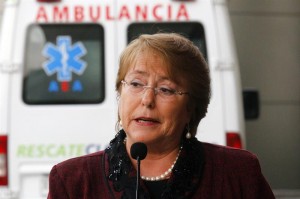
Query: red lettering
[(182, 12), (95, 17), (78, 12), (124, 13), (108, 16), (141, 12), (41, 15), (62, 15), (155, 13), (169, 12)]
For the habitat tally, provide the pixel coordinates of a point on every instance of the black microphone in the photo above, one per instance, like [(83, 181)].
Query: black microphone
[(138, 151)]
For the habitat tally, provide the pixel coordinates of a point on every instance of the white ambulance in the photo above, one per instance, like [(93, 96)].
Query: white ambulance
[(58, 64)]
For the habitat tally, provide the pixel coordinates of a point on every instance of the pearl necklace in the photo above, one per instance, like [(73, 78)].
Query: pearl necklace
[(165, 174)]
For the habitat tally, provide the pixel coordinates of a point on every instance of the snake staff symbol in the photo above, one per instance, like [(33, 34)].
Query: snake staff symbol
[(64, 59)]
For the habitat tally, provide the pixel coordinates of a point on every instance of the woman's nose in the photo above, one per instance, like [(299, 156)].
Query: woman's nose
[(148, 98)]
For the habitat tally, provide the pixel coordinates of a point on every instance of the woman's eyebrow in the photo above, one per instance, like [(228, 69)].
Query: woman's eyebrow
[(147, 74)]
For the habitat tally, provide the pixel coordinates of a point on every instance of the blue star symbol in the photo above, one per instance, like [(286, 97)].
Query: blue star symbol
[(64, 58)]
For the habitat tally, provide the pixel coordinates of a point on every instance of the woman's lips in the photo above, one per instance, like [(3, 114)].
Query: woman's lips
[(146, 120)]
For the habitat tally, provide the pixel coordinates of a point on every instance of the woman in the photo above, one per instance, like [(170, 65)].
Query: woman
[(163, 90)]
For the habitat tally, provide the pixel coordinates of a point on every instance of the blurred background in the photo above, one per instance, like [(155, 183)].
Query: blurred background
[(267, 36)]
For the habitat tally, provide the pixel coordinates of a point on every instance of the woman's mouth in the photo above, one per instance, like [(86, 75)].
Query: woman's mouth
[(146, 120)]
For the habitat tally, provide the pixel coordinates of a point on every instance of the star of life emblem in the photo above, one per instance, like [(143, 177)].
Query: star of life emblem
[(64, 59)]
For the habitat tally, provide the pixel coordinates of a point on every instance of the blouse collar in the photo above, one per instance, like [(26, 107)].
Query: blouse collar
[(184, 180)]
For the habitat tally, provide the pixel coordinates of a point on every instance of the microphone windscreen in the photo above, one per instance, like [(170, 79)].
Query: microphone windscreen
[(138, 149)]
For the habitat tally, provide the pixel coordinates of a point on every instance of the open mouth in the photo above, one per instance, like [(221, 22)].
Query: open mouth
[(146, 120)]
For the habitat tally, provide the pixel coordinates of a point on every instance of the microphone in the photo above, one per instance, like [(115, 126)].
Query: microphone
[(138, 151)]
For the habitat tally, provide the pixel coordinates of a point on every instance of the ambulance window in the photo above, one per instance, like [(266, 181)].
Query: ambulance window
[(192, 30), (64, 64)]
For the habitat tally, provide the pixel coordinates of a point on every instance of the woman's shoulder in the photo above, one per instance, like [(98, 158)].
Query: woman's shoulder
[(79, 164), (81, 160), (227, 151), (232, 158), (79, 177), (233, 173)]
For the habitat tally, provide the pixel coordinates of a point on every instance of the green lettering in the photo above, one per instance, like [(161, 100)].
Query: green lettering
[(80, 150), (31, 151), (21, 152), (49, 150), (72, 150), (40, 151), (61, 151)]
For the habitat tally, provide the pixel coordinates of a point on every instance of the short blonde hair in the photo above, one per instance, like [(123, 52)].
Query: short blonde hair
[(185, 64)]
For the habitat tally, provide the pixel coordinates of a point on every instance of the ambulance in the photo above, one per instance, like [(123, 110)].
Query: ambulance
[(58, 65)]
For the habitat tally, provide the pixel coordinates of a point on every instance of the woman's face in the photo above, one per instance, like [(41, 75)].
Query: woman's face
[(148, 117)]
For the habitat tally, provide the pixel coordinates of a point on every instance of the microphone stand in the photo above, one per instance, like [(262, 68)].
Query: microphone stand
[(138, 151), (138, 178)]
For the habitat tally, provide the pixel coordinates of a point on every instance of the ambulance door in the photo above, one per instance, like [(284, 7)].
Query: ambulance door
[(193, 19), (62, 103)]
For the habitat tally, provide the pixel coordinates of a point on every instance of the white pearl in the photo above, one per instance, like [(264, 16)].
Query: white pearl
[(188, 135), (164, 175)]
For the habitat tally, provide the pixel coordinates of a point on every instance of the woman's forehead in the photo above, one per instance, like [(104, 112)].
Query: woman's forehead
[(143, 65), (146, 73), (148, 70)]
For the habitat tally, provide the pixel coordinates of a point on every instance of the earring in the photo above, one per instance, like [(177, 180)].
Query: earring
[(120, 124), (188, 135)]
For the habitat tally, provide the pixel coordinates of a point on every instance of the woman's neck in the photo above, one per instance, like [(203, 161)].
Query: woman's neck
[(158, 163)]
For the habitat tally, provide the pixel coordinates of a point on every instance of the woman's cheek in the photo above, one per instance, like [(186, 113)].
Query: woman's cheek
[(124, 111), (121, 112)]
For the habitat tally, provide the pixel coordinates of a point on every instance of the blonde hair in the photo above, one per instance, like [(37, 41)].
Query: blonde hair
[(185, 64)]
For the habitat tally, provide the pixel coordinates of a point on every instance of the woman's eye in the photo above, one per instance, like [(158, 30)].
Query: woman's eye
[(136, 84), (166, 91)]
